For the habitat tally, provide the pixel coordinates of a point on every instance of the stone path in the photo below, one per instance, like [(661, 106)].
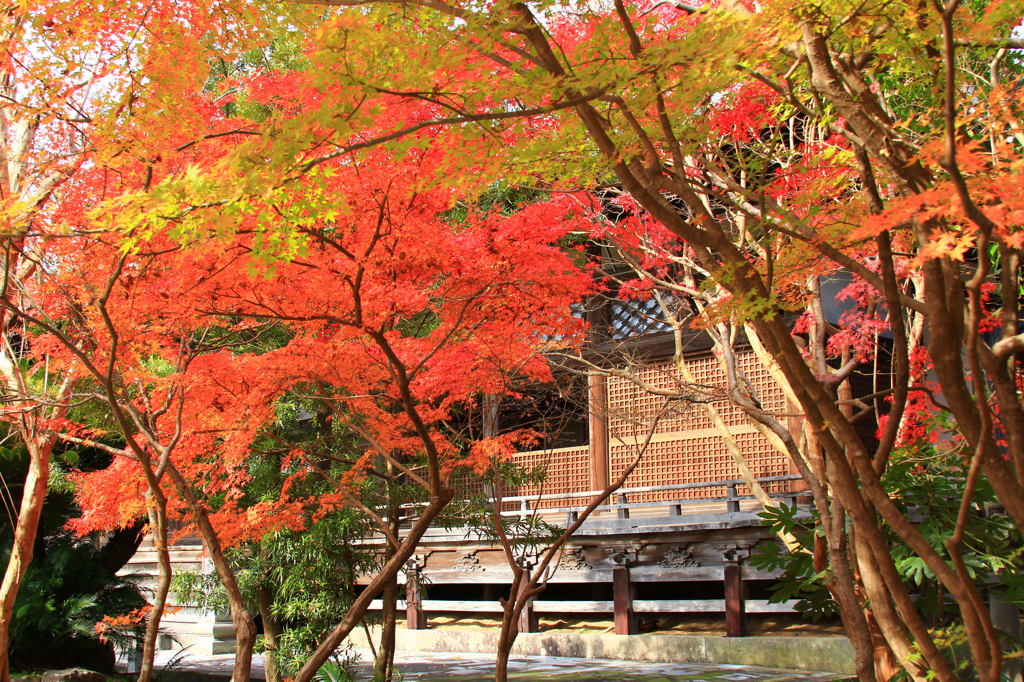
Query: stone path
[(442, 667)]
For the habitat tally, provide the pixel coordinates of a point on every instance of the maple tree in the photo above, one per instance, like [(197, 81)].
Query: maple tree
[(71, 91), (759, 204), (777, 142), (39, 151), (393, 315), (438, 332), (98, 328)]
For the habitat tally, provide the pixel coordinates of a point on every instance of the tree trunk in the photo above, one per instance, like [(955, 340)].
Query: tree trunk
[(271, 633), (383, 665), (245, 626), (528, 583), (501, 661), (362, 602), (509, 628), (885, 661), (24, 540), (384, 661), (842, 587), (158, 520)]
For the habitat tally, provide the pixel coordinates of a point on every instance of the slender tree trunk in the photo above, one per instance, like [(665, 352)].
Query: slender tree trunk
[(503, 654), (158, 521), (884, 661), (528, 583), (883, 612), (245, 626), (844, 591), (362, 602), (383, 665), (509, 627), (24, 541), (864, 638), (271, 633)]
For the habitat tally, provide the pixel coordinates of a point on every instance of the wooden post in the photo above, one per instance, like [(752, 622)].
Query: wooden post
[(527, 617), (622, 593), (731, 505), (490, 408), (736, 623), (415, 619), (599, 454)]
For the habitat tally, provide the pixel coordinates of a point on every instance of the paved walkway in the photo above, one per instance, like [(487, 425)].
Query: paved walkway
[(441, 667)]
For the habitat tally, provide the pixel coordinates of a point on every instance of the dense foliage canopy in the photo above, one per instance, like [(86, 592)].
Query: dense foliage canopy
[(215, 209)]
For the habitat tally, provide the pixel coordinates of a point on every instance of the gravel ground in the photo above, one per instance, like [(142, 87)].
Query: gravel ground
[(435, 667)]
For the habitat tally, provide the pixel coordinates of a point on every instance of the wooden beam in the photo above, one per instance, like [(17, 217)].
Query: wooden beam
[(452, 605), (589, 494), (574, 606), (638, 574), (709, 606), (597, 606)]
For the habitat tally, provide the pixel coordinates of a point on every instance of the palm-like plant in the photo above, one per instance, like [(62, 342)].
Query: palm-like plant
[(65, 593)]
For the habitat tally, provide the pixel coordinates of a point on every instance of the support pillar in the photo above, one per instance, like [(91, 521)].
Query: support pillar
[(527, 617), (599, 452), (415, 619), (622, 594), (733, 505), (736, 622)]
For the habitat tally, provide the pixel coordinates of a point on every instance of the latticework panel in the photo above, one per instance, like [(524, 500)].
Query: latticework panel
[(566, 470), (636, 318), (467, 485), (631, 406), (695, 460)]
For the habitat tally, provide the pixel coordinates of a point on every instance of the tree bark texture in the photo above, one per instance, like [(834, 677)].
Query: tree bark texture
[(24, 541)]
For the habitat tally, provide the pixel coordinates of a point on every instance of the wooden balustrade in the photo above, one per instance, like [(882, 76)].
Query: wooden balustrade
[(620, 508)]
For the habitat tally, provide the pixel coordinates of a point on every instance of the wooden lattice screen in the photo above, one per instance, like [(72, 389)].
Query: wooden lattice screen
[(567, 470), (697, 459), (631, 408), (686, 447)]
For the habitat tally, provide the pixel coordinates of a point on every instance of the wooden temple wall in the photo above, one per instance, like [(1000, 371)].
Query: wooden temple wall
[(687, 527), (686, 446)]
